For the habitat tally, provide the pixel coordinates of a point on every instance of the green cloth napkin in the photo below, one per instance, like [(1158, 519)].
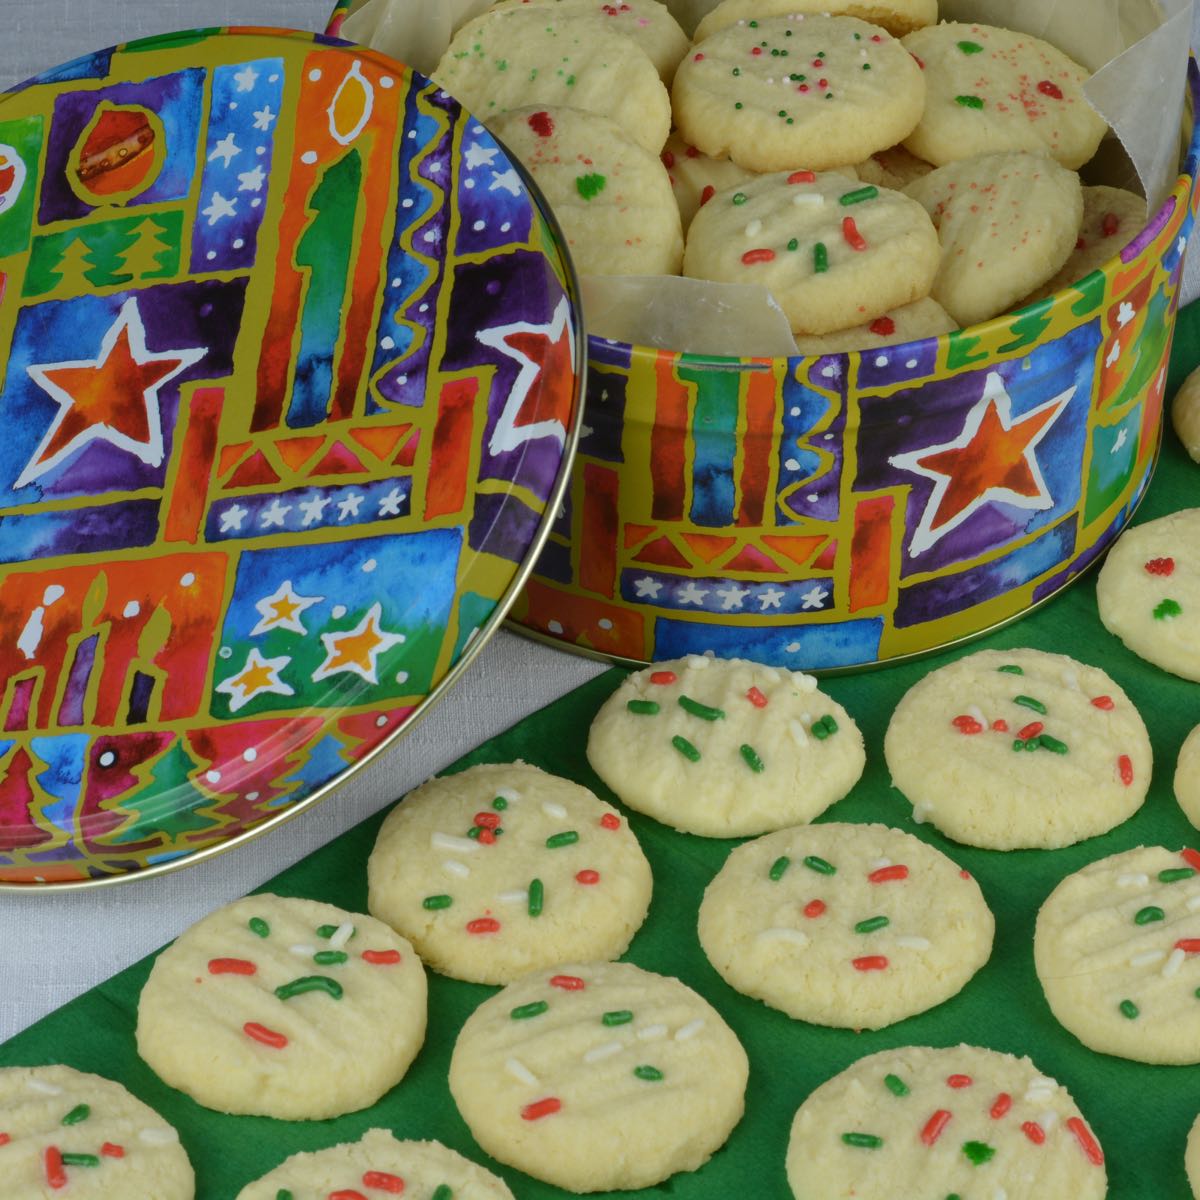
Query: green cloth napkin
[(1141, 1114)]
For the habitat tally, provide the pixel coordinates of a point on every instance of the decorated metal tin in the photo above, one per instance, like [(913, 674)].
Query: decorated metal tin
[(289, 397)]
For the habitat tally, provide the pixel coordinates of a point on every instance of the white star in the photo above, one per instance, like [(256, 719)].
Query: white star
[(246, 78), (1113, 354), (814, 598), (770, 598), (252, 181), (1121, 438), (219, 207), (232, 518), (273, 515), (1125, 313), (389, 506), (357, 650), (691, 594), (282, 610), (313, 508), (510, 181), (732, 596), (264, 118), (647, 587), (226, 149), (258, 677), (480, 156), (349, 506)]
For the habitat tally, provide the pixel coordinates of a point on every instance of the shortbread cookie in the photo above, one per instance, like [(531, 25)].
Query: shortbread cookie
[(696, 177), (894, 168), (66, 1133), (1192, 1158), (921, 319), (962, 1121), (725, 748), (378, 1165), (284, 1008), (898, 17), (612, 197), (530, 57), (1149, 592), (502, 869), (1017, 749), (1185, 415), (598, 1077), (1117, 951), (856, 926), (1187, 777), (834, 254), (1007, 223), (788, 92), (649, 23), (993, 90), (1112, 217)]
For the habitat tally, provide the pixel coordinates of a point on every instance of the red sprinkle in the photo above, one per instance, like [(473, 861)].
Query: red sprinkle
[(873, 962), (268, 1037), (761, 255), (663, 677), (1161, 566), (1030, 731), (757, 50), (112, 1150), (850, 232), (1087, 1143), (1126, 769), (381, 958), (231, 966), (934, 1126), (1002, 1105), (884, 326), (1104, 702), (875, 37), (691, 152), (588, 877), (959, 1081), (541, 124), (347, 1194), (965, 724), (1191, 857), (708, 193), (568, 983), (888, 874), (802, 177), (1050, 89), (964, 874), (1188, 945), (384, 1182), (610, 821), (1034, 1132), (814, 908), (668, 159), (818, 62), (1000, 725), (1111, 225), (56, 1177), (483, 925), (697, 58), (756, 698), (5, 1139), (919, 61), (541, 1108), (487, 820), (487, 837)]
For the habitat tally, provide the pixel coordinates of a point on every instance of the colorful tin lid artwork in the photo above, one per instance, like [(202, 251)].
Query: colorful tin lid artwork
[(290, 392)]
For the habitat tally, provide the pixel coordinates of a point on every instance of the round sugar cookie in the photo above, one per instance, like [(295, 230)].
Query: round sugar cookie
[(1191, 1159), (522, 57), (1007, 223), (833, 253), (1187, 777), (283, 1007), (794, 91), (724, 747), (1148, 591), (85, 1137), (1117, 952), (696, 177), (612, 198), (378, 1165), (893, 168), (898, 17), (1019, 749), (502, 869), (1185, 415), (921, 319), (993, 90), (961, 1121), (598, 1077), (857, 926)]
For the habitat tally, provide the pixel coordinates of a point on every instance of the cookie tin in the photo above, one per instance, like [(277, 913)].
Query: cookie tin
[(291, 389)]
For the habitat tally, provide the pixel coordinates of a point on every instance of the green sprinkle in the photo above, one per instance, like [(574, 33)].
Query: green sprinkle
[(825, 727), (739, 197), (969, 102), (443, 1191), (794, 244), (813, 863), (979, 1152), (284, 1194), (473, 832), (556, 840), (1021, 744), (954, 1196), (752, 760), (738, 105), (866, 66), (871, 924), (820, 259), (524, 1011), (310, 983), (499, 804), (1030, 702), (327, 931), (259, 927), (643, 708), (437, 902), (736, 71), (1011, 670), (1128, 1009), (1146, 915), (502, 65), (330, 958), (81, 1160), (537, 897), (970, 47), (686, 748), (797, 78), (619, 1016), (1051, 743), (1175, 874), (895, 1085), (753, 24), (650, 1074), (864, 1141), (858, 196), (703, 711), (80, 1112), (778, 867), (570, 81), (591, 185), (782, 112), (1168, 608)]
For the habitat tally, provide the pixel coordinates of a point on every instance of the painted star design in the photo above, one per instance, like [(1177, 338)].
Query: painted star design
[(112, 398), (226, 150), (219, 207), (264, 118), (732, 596), (691, 594), (357, 650), (546, 356), (771, 598), (252, 181), (313, 508), (992, 459), (1125, 313), (246, 78), (282, 610), (259, 677), (1120, 440), (815, 598), (1113, 354), (389, 506), (349, 506), (480, 156), (232, 518), (274, 515), (509, 180), (647, 588)]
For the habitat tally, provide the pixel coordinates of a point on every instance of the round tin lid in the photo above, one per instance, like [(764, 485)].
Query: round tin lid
[(292, 389)]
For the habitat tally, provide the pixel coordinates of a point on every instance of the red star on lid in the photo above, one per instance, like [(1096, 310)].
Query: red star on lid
[(542, 396), (992, 459), (112, 398)]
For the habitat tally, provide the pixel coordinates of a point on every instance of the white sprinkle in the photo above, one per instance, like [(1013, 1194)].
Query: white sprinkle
[(443, 841), (596, 1053), (47, 1089), (1144, 960), (1135, 880), (158, 1137), (518, 1070), (515, 897), (697, 662), (754, 229), (508, 794), (1041, 1090), (920, 813), (341, 935), (798, 732), (879, 863), (302, 950), (973, 710), (1048, 1120), (784, 935), (913, 943), (1193, 903), (808, 200), (686, 1032), (770, 674), (453, 867), (1071, 680), (553, 810), (652, 1033), (1172, 965)]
